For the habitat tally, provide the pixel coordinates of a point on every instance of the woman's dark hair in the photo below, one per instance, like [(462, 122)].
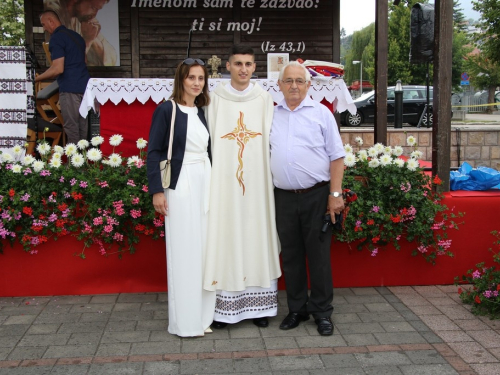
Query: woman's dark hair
[(181, 74)]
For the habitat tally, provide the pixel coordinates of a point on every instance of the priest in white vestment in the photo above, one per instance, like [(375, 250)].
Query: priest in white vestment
[(242, 259)]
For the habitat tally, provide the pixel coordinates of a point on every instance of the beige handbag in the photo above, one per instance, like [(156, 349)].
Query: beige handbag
[(165, 166)]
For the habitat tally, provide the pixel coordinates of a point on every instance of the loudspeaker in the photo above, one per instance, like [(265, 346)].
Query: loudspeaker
[(422, 33)]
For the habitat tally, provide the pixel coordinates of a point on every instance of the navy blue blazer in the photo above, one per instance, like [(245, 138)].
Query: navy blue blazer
[(159, 135)]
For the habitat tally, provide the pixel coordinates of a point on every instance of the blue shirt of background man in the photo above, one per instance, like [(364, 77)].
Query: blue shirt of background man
[(70, 45)]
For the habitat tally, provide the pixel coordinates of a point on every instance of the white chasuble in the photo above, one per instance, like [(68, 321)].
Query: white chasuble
[(242, 241)]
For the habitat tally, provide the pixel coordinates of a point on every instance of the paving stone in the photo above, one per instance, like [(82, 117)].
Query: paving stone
[(95, 317), (362, 291), (59, 309), (429, 291), (364, 299), (9, 341), (126, 336), (397, 327), (339, 371), (48, 317), (70, 300), (320, 341), (244, 332), (274, 331), (431, 337), (207, 366), (165, 336), (408, 315), (443, 301), (439, 323), (306, 362), (27, 353), (472, 352), (488, 339), (70, 351), (471, 324), (383, 359), (353, 328), (339, 360), (154, 306), (22, 310), (425, 357), (152, 325), (384, 370), (4, 352), (161, 368), (456, 312), (419, 326), (429, 369), (349, 309), (129, 306), (131, 315), (338, 292), (280, 343), (454, 336), (92, 307), (36, 370), (400, 338), (197, 346), (91, 338), (132, 297), (360, 339), (70, 369), (346, 318), (162, 314), (132, 368), (392, 299), (82, 327), (43, 329), (44, 340), (2, 317), (120, 326), (163, 297), (296, 372), (116, 349), (13, 329), (381, 317), (238, 345), (487, 368), (379, 307), (104, 298), (251, 365), (161, 347)]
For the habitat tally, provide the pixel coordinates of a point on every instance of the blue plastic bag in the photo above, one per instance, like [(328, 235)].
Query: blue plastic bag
[(480, 178)]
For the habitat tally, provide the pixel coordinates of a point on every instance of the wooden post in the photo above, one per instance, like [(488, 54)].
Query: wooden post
[(381, 48), (134, 41), (441, 128)]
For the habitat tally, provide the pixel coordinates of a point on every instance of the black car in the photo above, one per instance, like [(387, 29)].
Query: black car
[(414, 101)]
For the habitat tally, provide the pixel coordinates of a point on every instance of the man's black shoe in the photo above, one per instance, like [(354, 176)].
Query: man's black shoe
[(261, 322), (292, 320), (325, 326), (218, 325)]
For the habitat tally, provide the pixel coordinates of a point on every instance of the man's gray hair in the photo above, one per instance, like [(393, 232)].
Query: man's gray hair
[(295, 63)]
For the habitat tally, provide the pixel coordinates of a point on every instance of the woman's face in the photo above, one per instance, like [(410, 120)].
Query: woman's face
[(193, 84)]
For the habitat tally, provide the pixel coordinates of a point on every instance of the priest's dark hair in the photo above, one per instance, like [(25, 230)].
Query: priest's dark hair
[(181, 74)]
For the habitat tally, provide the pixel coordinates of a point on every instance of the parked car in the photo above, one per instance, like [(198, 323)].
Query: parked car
[(414, 101)]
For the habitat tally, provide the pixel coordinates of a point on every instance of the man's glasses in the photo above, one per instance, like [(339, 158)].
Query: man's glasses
[(298, 81), (191, 61)]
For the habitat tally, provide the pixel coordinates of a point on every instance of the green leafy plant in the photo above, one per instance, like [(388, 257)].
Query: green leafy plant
[(76, 191), (483, 285), (395, 201)]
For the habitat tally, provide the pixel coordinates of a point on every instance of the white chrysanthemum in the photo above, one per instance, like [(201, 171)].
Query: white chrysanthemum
[(16, 168), (350, 160), (348, 148), (28, 160), (6, 157), (400, 163), (374, 163), (94, 154), (55, 163), (379, 147), (411, 140), (77, 160), (417, 154), (141, 143), (359, 141), (56, 155), (397, 151), (388, 150), (115, 140), (97, 140), (38, 165), (386, 159), (114, 160), (70, 149), (132, 160), (17, 150), (372, 152), (43, 148), (412, 164), (82, 144), (363, 155), (58, 149)]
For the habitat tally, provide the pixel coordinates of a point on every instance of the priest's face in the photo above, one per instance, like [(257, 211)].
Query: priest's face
[(241, 68), (294, 85)]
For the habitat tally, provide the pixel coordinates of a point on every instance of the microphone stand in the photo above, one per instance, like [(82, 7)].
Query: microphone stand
[(32, 65)]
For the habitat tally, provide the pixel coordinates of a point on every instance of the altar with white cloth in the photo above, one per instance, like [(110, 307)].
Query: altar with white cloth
[(126, 106)]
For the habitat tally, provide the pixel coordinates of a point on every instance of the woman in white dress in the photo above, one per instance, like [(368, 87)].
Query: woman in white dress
[(185, 203)]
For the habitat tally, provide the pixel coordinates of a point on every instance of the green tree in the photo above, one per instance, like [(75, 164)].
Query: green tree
[(12, 16), (490, 26), (459, 22)]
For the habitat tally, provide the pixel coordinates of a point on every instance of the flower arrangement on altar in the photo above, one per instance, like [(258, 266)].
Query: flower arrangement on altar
[(395, 201), (76, 190)]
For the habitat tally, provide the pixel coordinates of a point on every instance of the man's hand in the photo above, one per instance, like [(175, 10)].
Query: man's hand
[(160, 203), (335, 206)]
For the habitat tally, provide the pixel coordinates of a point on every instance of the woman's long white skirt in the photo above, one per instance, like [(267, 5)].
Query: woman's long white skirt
[(190, 307)]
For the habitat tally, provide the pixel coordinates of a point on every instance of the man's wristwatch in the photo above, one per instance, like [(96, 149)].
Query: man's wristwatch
[(335, 194)]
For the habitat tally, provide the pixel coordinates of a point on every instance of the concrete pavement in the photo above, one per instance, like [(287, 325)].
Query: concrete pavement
[(396, 330)]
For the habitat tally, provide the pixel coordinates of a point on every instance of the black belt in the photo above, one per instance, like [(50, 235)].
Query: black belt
[(301, 191)]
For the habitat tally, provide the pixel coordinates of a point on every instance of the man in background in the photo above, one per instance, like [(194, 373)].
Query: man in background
[(67, 51), (79, 16)]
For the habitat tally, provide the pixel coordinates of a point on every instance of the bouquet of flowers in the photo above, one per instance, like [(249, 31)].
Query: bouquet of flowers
[(395, 200), (76, 191)]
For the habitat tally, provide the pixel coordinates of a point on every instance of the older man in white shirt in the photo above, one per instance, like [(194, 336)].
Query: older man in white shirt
[(307, 166)]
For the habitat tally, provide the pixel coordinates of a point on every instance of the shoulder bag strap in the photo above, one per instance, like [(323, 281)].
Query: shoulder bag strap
[(172, 122)]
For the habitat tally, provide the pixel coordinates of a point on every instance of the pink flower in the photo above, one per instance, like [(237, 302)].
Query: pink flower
[(476, 274), (144, 188), (103, 184), (422, 249), (73, 181), (61, 179), (108, 228), (118, 237), (24, 198), (130, 183), (374, 252), (376, 209), (97, 220), (44, 173), (135, 213), (139, 163), (83, 184), (27, 171), (135, 200)]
